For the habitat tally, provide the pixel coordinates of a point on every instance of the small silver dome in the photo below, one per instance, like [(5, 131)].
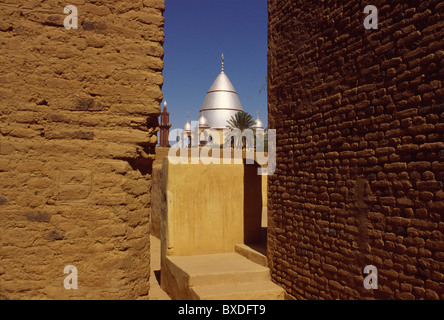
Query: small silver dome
[(258, 124), (187, 126), (203, 122)]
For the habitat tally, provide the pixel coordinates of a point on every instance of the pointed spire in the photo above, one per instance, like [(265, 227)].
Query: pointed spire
[(223, 62), (257, 112), (188, 117)]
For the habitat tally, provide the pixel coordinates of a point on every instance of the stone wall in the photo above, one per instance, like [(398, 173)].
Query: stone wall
[(360, 153), (78, 123)]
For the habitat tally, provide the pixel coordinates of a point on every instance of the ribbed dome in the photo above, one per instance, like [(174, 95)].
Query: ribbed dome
[(220, 103)]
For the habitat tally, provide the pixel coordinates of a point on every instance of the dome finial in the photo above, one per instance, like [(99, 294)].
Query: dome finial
[(223, 62), (188, 117), (257, 113)]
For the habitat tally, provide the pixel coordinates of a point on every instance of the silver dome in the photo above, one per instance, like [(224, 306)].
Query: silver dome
[(258, 124), (220, 103), (187, 126), (203, 122)]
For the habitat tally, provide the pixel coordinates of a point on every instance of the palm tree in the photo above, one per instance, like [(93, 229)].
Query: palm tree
[(242, 121)]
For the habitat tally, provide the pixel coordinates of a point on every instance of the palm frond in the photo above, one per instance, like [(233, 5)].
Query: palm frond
[(241, 120)]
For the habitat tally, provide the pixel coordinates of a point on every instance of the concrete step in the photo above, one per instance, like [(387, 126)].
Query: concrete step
[(261, 290), (214, 269), (218, 276), (256, 253)]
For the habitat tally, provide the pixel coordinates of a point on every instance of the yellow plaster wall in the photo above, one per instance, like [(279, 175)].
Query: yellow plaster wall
[(204, 208)]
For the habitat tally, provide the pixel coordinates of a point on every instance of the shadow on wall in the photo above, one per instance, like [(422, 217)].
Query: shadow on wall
[(252, 203)]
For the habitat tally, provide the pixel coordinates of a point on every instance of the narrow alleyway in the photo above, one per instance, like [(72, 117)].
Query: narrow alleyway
[(156, 293)]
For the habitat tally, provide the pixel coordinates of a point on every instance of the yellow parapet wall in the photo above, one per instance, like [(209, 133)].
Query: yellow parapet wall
[(161, 154), (208, 208), (158, 200)]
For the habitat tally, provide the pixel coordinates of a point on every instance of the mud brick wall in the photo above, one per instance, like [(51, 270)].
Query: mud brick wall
[(359, 116), (78, 124)]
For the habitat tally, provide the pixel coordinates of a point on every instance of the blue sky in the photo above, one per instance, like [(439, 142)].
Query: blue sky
[(197, 32)]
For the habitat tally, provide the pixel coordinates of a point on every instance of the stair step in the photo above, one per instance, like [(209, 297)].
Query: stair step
[(253, 252), (220, 268), (261, 290)]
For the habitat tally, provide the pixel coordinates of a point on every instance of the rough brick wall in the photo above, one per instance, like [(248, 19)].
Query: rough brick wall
[(360, 153), (78, 123)]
